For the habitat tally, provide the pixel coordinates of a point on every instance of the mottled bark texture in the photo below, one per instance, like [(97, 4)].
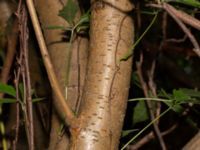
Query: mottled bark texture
[(107, 80)]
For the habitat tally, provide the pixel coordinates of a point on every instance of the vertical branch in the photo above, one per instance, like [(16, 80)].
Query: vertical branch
[(67, 114), (16, 82), (149, 105), (26, 76)]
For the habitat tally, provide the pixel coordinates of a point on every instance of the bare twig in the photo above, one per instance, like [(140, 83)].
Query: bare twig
[(69, 116), (145, 89), (164, 25), (186, 18), (149, 137), (152, 87), (28, 112), (181, 17), (16, 82), (172, 12)]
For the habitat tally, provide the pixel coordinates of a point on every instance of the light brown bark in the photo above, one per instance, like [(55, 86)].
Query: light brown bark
[(194, 143), (107, 79)]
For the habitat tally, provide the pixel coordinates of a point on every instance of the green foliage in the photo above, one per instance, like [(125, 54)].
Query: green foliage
[(7, 100), (81, 26), (140, 112), (10, 91), (180, 96), (147, 126), (173, 101), (7, 89), (69, 11), (83, 22), (127, 132), (193, 3)]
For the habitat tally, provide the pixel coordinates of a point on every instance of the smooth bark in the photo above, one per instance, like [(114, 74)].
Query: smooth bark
[(107, 79)]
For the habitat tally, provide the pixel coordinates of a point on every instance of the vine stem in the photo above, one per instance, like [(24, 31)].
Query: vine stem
[(69, 116), (139, 133)]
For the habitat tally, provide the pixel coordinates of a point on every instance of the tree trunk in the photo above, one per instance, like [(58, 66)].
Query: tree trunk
[(107, 80)]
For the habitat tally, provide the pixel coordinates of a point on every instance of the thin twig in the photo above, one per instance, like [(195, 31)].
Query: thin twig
[(69, 116), (149, 137), (145, 89), (186, 18), (152, 86), (27, 80), (172, 12), (16, 83), (28, 112), (180, 18)]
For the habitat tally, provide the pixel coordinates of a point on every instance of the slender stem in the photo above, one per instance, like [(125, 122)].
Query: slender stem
[(68, 113)]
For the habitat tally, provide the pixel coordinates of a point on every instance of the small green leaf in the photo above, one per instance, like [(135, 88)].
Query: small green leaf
[(180, 96), (140, 112), (191, 92), (7, 100), (83, 23), (7, 89), (193, 3), (37, 99), (175, 107), (127, 132), (69, 11), (21, 89)]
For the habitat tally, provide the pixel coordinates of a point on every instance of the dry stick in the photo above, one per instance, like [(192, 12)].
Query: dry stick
[(27, 82), (179, 20), (173, 14), (69, 117), (22, 39), (152, 86), (16, 82), (149, 137), (145, 89), (186, 18)]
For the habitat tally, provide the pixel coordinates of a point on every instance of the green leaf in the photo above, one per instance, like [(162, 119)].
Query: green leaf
[(83, 23), (21, 90), (69, 11), (175, 107), (37, 99), (140, 112), (7, 89), (180, 96), (193, 3), (7, 100), (191, 92), (127, 132)]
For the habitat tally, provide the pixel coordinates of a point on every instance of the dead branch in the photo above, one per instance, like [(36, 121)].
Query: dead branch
[(149, 137)]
